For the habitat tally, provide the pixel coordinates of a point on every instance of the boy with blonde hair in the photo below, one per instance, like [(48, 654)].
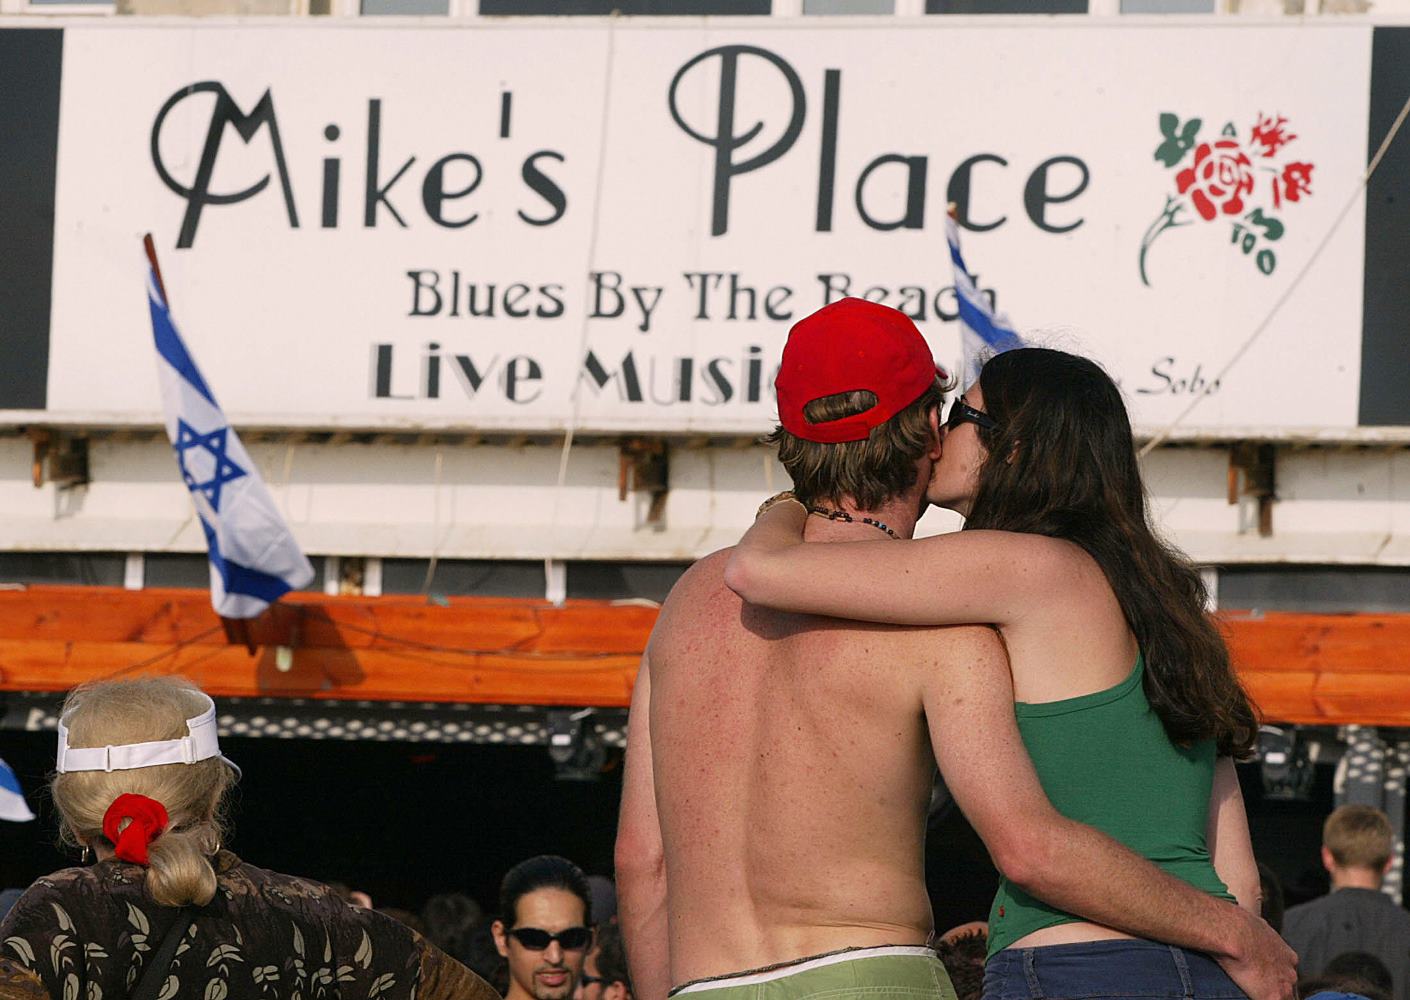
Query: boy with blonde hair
[(1357, 842)]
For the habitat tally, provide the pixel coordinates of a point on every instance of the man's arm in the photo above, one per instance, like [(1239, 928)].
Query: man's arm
[(969, 708), (640, 860)]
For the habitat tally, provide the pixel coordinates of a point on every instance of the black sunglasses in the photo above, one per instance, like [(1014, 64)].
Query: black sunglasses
[(536, 939), (587, 980), (960, 411)]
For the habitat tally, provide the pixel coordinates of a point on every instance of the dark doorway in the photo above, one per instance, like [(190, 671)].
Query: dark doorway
[(403, 821)]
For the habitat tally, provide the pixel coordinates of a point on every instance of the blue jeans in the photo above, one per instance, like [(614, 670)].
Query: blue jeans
[(1141, 970)]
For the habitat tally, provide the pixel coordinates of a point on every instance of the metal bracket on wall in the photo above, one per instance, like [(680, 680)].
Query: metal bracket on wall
[(644, 466), (60, 460), (1252, 473)]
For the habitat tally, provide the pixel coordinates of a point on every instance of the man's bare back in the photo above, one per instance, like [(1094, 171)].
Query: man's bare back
[(778, 768), (792, 771)]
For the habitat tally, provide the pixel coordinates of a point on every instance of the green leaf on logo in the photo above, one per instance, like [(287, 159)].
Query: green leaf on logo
[(1178, 141), (1272, 229), (1170, 152)]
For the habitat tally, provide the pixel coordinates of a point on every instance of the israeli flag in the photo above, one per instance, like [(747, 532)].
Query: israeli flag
[(983, 333), (254, 558), (13, 807)]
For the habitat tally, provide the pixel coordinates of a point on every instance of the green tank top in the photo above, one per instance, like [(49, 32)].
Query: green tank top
[(1104, 760)]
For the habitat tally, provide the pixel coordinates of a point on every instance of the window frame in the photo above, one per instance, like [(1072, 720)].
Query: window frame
[(105, 9)]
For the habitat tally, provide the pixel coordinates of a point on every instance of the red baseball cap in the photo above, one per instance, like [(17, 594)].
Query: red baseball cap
[(852, 345)]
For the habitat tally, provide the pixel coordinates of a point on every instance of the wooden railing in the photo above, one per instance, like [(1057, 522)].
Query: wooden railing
[(484, 650), (1312, 669), (1324, 669)]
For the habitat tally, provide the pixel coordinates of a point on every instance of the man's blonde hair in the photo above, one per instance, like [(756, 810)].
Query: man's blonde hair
[(869, 472), (138, 711), (1358, 837)]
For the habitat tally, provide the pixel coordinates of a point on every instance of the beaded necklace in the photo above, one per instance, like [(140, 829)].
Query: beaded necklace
[(842, 515)]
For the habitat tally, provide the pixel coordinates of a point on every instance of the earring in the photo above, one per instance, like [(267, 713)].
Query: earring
[(87, 853)]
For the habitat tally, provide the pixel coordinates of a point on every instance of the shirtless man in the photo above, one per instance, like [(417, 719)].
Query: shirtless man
[(779, 767)]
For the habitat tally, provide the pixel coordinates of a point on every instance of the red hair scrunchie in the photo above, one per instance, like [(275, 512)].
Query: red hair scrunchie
[(149, 819)]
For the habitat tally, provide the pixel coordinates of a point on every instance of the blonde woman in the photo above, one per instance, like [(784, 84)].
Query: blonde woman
[(165, 911)]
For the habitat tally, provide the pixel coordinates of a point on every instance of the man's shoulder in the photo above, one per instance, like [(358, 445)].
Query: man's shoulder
[(1310, 910), (701, 586), (1315, 911), (704, 576), (1306, 924), (939, 645), (711, 566), (700, 598), (965, 636)]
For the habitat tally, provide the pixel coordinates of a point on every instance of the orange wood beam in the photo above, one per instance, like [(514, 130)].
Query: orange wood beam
[(376, 675), (1324, 669), (108, 614), (1309, 669), (397, 648)]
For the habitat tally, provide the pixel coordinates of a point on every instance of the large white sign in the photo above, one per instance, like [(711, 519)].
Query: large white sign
[(613, 226)]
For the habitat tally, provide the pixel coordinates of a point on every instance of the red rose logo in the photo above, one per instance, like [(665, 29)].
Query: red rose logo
[(1296, 182), (1221, 173), (1218, 176), (1271, 133)]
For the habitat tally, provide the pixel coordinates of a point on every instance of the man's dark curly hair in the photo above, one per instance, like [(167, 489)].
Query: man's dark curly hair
[(963, 957)]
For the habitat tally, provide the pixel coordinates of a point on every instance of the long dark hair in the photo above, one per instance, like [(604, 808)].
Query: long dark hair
[(1062, 463)]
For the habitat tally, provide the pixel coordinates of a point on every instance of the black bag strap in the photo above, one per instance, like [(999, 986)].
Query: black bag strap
[(154, 975)]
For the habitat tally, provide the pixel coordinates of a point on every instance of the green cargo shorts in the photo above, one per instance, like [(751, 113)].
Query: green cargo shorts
[(905, 972)]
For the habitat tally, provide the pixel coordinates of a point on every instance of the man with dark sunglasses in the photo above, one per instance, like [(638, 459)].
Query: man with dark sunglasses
[(545, 927)]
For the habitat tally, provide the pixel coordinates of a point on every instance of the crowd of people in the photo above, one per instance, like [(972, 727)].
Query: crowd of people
[(555, 935), (1055, 661), (481, 941), (162, 908)]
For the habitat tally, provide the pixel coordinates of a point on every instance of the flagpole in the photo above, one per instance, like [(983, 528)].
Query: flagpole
[(151, 249), (237, 630)]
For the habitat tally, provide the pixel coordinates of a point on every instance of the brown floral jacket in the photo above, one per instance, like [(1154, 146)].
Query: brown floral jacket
[(86, 934)]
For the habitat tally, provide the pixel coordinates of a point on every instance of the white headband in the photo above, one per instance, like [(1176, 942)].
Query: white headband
[(200, 744)]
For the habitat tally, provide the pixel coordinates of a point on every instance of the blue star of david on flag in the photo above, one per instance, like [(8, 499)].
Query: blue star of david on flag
[(214, 443), (254, 557)]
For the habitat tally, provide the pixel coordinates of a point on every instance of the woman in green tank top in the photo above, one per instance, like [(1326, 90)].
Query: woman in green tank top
[(1126, 700)]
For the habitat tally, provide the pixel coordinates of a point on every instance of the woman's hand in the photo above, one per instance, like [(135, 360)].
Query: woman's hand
[(752, 566), (787, 496)]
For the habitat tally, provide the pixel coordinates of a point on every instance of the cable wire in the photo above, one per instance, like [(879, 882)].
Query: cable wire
[(172, 651), (509, 652), (593, 234)]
